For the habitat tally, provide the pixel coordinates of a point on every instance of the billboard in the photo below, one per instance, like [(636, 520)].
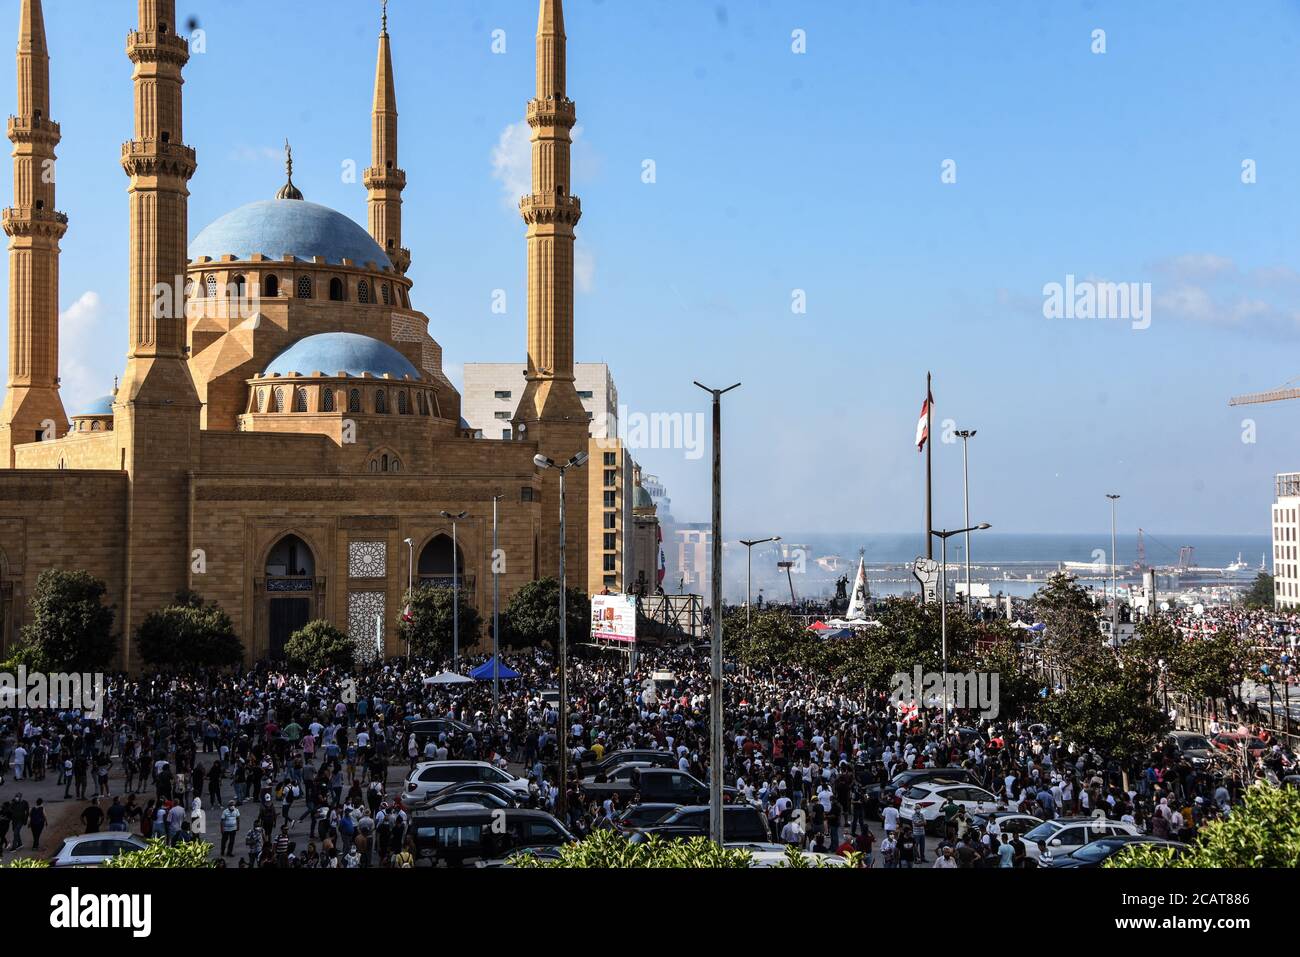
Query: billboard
[(613, 618)]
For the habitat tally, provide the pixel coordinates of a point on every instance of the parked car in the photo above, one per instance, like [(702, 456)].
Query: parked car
[(1191, 745), (1233, 741), (642, 815), (907, 779), (1009, 822), (467, 793), (1053, 839), (741, 823), (662, 785), (614, 759), (931, 796), (1096, 853), (456, 838), (91, 850), (616, 781), (430, 777)]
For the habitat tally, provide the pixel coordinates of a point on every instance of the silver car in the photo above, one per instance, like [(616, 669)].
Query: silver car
[(91, 850)]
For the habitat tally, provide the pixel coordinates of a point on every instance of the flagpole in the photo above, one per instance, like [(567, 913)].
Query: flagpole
[(929, 442)]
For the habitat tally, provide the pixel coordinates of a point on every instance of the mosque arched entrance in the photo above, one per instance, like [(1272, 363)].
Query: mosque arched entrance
[(291, 595)]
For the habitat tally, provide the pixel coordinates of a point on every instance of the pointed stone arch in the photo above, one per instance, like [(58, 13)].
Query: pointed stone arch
[(289, 590)]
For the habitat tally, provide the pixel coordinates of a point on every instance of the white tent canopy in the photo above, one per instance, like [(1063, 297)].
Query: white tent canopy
[(449, 678)]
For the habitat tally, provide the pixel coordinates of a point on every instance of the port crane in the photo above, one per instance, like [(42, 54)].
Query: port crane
[(1286, 391)]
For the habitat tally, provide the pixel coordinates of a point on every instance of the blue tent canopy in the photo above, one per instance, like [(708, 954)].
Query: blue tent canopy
[(484, 671)]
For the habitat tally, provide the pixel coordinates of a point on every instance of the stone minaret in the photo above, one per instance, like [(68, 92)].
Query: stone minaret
[(33, 409), (550, 412), (384, 180), (156, 415)]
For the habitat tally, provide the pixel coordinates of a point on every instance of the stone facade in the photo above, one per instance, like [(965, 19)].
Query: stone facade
[(231, 465)]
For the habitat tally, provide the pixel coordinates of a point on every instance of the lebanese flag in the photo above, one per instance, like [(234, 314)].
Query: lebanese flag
[(923, 425)]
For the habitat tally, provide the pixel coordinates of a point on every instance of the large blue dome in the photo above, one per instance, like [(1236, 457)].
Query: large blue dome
[(332, 352), (286, 227)]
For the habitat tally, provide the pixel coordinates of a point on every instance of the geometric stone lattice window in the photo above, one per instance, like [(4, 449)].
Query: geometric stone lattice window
[(367, 559), (365, 612)]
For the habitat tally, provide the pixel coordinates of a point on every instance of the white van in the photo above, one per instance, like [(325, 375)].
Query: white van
[(430, 777)]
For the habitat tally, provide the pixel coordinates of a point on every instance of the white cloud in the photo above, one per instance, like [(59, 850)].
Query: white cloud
[(1197, 266), (584, 268), (86, 368), (512, 162)]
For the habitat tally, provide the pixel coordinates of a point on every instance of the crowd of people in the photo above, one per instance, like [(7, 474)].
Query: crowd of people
[(279, 769)]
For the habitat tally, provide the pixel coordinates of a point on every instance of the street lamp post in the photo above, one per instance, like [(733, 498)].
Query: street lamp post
[(1114, 587), (965, 435), (943, 535), (542, 462), (455, 590), (496, 612), (749, 567), (410, 586), (716, 744)]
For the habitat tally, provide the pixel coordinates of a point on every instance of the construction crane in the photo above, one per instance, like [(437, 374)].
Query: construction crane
[(1287, 391)]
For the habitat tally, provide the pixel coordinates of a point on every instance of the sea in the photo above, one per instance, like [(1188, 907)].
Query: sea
[(1011, 563)]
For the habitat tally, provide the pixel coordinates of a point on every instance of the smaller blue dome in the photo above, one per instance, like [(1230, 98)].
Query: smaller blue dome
[(101, 406), (331, 352)]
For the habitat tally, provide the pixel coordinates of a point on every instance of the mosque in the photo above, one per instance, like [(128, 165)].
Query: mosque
[(283, 439)]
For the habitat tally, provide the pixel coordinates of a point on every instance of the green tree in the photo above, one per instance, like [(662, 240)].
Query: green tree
[(771, 639), (1019, 691), (1072, 635), (189, 633), (431, 628), (532, 615), (1264, 831), (319, 644), (188, 855), (606, 849), (71, 628), (1109, 706), (1261, 592)]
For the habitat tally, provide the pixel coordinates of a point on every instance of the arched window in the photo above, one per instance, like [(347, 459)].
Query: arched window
[(363, 292), (397, 466), (327, 400), (403, 408), (304, 287), (354, 400), (420, 403), (374, 466), (279, 401), (300, 400), (387, 292), (406, 302), (261, 401), (238, 287), (210, 286), (381, 402), (336, 289), (98, 427), (383, 462), (270, 287), (191, 289), (290, 558)]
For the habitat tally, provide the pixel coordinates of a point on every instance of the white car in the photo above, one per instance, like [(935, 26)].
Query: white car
[(931, 796), (91, 850), (1066, 835), (430, 777)]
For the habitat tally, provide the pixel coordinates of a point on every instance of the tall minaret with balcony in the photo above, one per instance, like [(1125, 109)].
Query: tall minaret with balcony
[(550, 412), (32, 408), (384, 180), (156, 413)]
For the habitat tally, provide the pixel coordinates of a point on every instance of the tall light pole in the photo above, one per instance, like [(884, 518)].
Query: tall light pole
[(455, 590), (943, 535), (749, 567), (542, 462), (965, 435), (715, 699), (496, 612), (410, 586), (1114, 586)]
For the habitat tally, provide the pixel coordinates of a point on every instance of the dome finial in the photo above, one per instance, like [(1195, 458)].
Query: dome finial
[(288, 191), (384, 31)]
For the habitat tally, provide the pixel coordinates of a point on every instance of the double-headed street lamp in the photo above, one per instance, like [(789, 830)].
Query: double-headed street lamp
[(965, 435), (455, 589), (943, 535), (749, 567), (1114, 587), (410, 585), (542, 462)]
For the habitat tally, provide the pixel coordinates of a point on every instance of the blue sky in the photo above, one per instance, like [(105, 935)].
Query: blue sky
[(778, 172)]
